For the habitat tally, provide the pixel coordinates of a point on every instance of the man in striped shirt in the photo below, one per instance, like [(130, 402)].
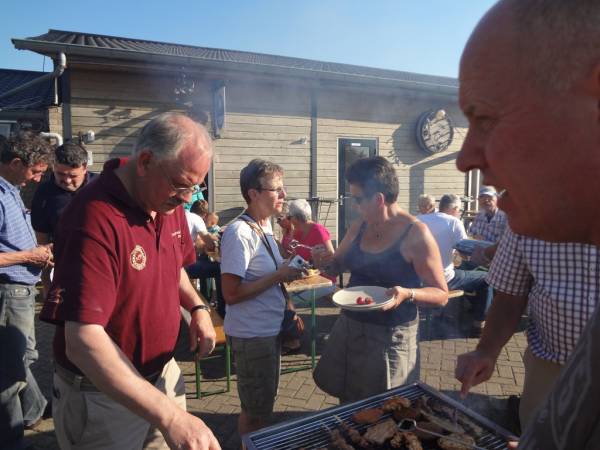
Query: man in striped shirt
[(22, 159), (558, 284)]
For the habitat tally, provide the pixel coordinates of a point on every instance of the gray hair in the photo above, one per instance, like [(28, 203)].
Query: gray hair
[(254, 174), (166, 134), (557, 39), (449, 201), (426, 200), (300, 209)]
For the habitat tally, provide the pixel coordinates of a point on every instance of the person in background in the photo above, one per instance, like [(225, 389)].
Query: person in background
[(116, 295), (200, 208), (283, 220), (489, 224), (530, 89), (426, 204), (252, 272), (370, 352), (307, 232), (212, 223), (69, 175), (196, 196), (448, 230), (204, 268), (23, 159)]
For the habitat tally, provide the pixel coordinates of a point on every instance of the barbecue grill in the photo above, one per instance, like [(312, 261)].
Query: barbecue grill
[(311, 432)]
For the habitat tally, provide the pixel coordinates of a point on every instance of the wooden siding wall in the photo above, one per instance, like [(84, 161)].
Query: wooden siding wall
[(270, 121)]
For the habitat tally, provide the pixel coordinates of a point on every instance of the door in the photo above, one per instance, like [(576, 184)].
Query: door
[(350, 150)]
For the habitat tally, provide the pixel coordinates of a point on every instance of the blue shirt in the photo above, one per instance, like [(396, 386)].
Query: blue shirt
[(16, 234)]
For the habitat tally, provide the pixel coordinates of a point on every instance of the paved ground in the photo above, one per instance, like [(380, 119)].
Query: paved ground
[(442, 339)]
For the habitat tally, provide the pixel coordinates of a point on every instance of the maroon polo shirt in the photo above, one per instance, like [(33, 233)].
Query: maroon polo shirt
[(119, 268)]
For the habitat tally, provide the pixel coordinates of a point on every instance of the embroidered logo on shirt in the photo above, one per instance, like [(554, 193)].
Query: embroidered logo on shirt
[(176, 234), (138, 258)]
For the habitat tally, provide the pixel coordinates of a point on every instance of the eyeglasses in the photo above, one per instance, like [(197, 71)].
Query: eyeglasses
[(280, 218), (181, 190), (279, 191), (358, 199)]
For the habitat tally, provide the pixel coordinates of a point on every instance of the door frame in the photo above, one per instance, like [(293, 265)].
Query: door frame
[(341, 225)]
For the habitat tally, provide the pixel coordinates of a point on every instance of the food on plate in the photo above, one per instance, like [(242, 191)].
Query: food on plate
[(360, 301), (368, 301), (391, 404), (447, 444), (381, 432), (312, 272), (367, 416)]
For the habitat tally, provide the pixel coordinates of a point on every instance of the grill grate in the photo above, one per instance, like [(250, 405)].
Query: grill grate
[(310, 433)]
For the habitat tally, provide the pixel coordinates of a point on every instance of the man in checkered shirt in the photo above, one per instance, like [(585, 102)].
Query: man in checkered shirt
[(490, 223), (557, 283), (530, 89)]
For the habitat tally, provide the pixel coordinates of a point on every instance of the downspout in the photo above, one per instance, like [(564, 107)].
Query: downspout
[(59, 68), (58, 137)]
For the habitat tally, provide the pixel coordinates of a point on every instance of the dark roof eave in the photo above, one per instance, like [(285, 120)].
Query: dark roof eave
[(49, 49)]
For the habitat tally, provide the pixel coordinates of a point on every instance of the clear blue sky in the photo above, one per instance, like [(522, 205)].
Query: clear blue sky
[(412, 35)]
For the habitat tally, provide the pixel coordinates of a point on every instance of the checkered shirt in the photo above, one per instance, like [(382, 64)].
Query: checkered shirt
[(490, 230), (562, 283)]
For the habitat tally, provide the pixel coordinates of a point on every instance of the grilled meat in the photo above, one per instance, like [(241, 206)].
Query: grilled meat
[(407, 413), (368, 416), (412, 441), (338, 441), (443, 423), (447, 444), (381, 432), (394, 403), (354, 435), (427, 426)]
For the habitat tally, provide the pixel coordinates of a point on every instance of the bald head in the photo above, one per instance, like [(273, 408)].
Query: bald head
[(555, 42), (167, 134)]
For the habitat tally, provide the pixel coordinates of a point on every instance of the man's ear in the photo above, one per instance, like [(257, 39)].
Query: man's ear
[(16, 164), (380, 199), (143, 160)]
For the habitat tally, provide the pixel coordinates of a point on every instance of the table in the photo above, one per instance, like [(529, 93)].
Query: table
[(308, 284)]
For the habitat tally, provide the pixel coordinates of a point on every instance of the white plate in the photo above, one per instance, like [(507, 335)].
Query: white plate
[(346, 298)]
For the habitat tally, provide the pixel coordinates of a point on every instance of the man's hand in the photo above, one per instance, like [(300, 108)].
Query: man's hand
[(186, 431), (202, 333), (41, 256), (473, 368)]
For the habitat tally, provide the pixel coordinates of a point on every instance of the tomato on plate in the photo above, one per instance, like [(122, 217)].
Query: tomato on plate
[(360, 301)]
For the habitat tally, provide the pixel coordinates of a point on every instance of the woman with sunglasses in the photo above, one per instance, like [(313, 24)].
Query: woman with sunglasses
[(369, 352), (287, 229)]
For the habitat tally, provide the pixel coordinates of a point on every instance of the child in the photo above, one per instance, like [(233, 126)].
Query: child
[(212, 220)]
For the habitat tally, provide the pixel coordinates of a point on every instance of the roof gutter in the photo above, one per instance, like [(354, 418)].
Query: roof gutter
[(59, 68)]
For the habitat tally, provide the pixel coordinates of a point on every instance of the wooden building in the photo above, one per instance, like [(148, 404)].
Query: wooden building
[(312, 117)]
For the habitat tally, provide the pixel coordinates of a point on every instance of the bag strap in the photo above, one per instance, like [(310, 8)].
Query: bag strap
[(263, 237)]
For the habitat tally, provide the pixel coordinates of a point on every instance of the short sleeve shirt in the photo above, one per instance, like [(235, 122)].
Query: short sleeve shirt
[(562, 283), (447, 231), (119, 268), (195, 224), (16, 234), (489, 228), (244, 254)]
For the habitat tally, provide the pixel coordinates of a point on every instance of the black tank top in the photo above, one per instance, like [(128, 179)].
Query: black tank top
[(386, 268)]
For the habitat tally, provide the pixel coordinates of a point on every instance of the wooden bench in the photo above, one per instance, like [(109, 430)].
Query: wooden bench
[(221, 345)]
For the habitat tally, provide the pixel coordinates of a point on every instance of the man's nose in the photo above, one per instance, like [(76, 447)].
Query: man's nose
[(471, 154)]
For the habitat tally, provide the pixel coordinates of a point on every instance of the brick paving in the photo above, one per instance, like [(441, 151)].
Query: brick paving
[(443, 337)]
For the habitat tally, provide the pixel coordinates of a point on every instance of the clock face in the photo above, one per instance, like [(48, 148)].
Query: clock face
[(434, 131)]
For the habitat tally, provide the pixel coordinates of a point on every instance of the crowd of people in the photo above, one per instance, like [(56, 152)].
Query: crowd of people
[(121, 248)]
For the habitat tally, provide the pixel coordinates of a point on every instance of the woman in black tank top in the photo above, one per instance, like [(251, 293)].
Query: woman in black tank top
[(370, 352)]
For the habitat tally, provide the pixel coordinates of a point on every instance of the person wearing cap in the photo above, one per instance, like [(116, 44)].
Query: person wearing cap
[(490, 223)]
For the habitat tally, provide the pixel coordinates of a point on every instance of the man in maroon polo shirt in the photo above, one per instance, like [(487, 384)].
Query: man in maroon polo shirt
[(119, 282)]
